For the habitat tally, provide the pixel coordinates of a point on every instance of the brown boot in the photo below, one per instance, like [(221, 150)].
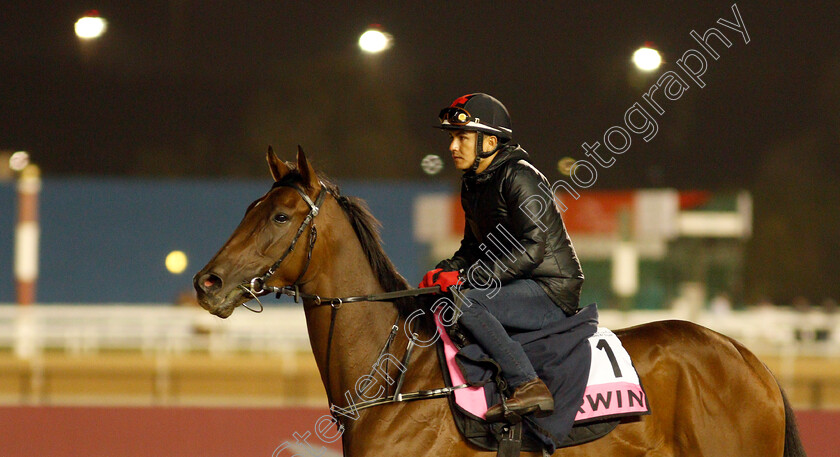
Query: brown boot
[(531, 397)]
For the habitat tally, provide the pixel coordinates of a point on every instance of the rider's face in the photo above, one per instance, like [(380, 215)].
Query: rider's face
[(462, 147)]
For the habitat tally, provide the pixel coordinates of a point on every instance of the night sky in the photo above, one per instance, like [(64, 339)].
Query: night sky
[(212, 83), (188, 88)]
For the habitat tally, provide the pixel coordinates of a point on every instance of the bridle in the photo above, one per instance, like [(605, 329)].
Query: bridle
[(257, 286)]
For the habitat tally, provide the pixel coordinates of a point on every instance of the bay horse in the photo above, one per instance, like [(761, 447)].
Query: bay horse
[(709, 395)]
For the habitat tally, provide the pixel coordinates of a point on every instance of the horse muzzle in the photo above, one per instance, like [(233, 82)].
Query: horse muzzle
[(214, 296)]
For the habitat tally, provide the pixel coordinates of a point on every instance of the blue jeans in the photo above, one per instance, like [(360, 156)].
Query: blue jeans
[(519, 306)]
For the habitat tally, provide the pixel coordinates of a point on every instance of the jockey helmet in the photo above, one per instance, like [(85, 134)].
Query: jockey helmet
[(480, 113)]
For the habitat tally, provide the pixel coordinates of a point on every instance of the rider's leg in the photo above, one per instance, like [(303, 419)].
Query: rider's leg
[(520, 305), (489, 333)]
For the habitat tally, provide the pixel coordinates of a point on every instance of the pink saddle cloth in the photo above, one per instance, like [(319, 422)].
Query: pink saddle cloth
[(471, 399), (613, 388)]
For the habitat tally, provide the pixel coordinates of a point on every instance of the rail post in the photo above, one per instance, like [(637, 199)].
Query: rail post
[(27, 234)]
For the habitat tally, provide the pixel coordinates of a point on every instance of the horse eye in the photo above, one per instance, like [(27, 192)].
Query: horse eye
[(280, 218)]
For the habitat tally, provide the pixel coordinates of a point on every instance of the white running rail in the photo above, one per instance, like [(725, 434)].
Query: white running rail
[(165, 329)]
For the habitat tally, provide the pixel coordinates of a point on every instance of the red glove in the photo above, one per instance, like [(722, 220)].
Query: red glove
[(446, 279), (438, 277), (428, 278)]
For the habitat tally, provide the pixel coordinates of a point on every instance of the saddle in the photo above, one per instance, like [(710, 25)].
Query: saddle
[(600, 408)]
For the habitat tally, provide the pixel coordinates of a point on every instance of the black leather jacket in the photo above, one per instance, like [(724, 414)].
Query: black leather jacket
[(503, 202)]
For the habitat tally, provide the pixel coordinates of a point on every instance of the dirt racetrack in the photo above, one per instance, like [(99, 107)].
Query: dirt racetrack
[(223, 432)]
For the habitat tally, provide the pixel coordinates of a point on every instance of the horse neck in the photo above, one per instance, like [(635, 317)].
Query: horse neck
[(361, 328)]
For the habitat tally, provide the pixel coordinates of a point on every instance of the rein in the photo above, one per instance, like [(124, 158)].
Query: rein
[(257, 286)]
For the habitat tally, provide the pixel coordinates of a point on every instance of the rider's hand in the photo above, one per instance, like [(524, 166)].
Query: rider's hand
[(428, 278), (446, 279)]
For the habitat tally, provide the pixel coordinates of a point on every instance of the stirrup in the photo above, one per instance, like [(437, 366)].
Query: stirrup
[(508, 415), (511, 444)]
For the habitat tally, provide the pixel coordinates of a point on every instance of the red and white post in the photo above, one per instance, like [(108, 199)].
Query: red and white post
[(27, 234)]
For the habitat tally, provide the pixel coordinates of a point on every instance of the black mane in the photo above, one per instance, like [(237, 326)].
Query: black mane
[(367, 228)]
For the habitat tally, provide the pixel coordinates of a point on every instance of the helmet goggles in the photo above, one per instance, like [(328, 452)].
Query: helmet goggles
[(485, 114), (455, 116)]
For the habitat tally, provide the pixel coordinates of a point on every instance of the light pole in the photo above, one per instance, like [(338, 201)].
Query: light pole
[(646, 60), (89, 29), (27, 233)]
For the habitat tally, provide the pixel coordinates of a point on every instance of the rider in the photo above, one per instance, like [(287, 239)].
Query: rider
[(539, 273)]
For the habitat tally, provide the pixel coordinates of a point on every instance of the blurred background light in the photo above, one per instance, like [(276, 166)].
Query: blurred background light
[(375, 40), (19, 160), (647, 58), (176, 262), (90, 26), (564, 165), (431, 164)]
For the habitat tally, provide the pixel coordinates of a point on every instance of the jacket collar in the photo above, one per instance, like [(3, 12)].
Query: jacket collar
[(508, 153)]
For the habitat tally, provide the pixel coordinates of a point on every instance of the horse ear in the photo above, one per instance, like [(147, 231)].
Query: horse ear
[(310, 178), (277, 167)]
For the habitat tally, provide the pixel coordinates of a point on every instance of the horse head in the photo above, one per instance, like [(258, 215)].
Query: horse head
[(262, 250)]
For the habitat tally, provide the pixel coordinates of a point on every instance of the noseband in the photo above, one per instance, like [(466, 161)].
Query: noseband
[(257, 285)]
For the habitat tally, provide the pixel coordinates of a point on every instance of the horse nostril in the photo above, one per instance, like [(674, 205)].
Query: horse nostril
[(209, 282)]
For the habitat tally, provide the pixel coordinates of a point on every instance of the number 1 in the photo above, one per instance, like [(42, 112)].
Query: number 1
[(602, 344)]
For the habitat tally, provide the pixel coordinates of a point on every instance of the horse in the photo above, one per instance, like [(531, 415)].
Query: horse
[(709, 395)]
